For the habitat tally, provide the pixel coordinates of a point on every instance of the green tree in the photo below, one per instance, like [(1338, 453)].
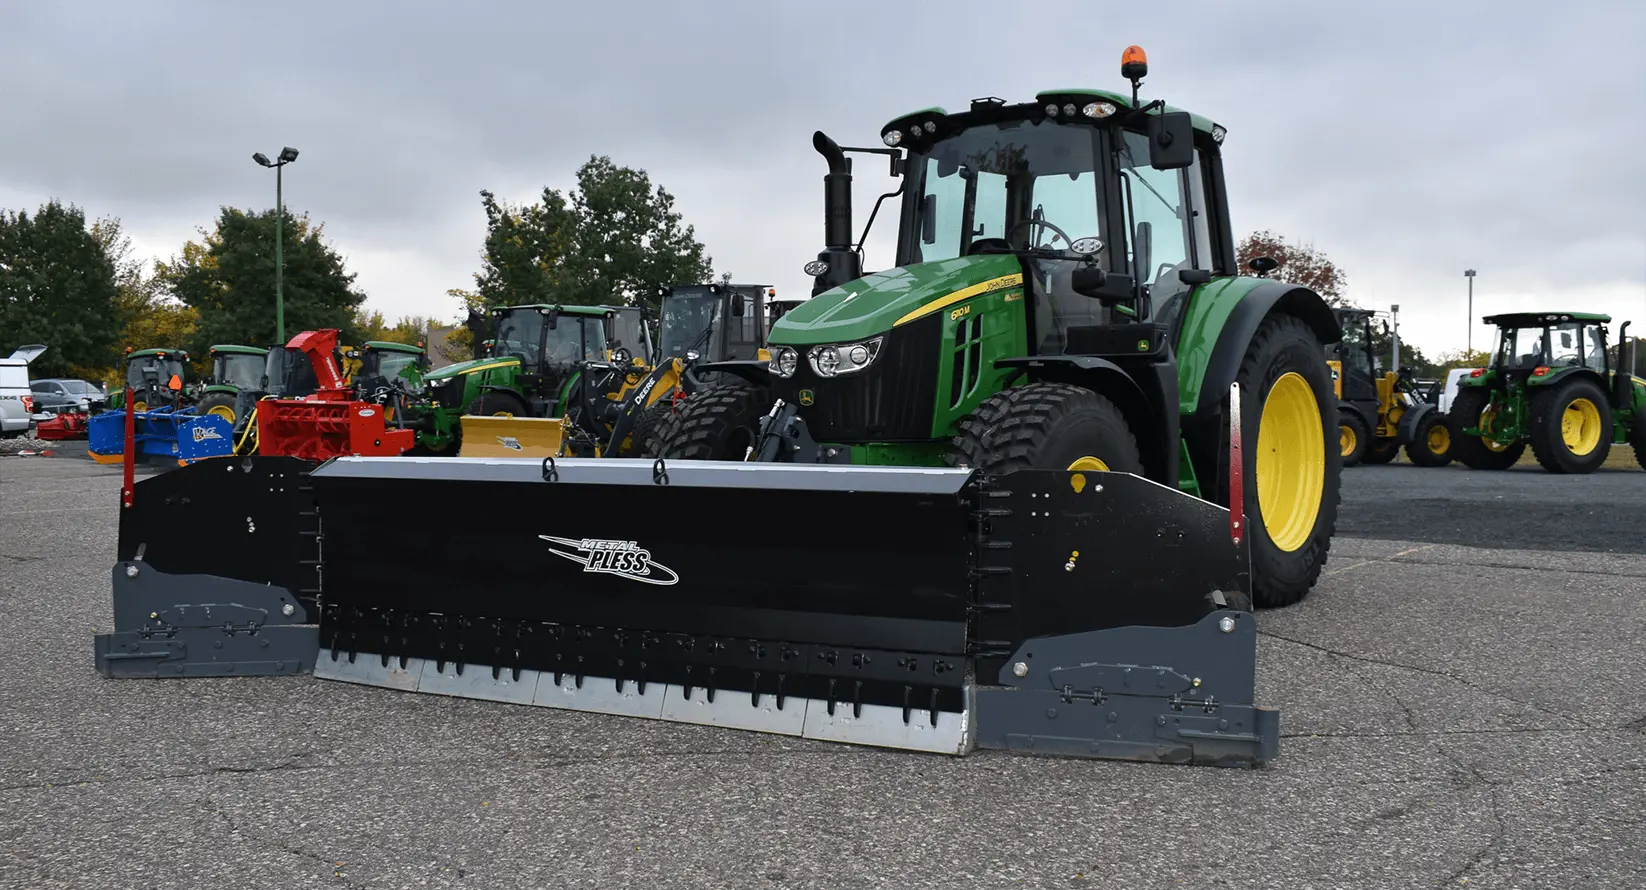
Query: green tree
[(409, 329), (228, 278), (148, 317), (1460, 358), (614, 239), (1299, 264), (58, 287)]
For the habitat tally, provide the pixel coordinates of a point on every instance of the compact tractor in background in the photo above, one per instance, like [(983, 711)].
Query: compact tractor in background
[(1550, 385), (1380, 411), (1031, 479), (233, 368)]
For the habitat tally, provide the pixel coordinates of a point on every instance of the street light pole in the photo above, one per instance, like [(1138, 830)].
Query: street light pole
[(287, 155), (1394, 311), (1470, 348)]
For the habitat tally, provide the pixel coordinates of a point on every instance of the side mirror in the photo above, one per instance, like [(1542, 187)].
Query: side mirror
[(928, 219), (1193, 277), (1088, 281), (1171, 141), (1263, 265)]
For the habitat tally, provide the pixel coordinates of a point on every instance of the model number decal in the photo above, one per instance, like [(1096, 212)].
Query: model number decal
[(962, 311), (625, 559)]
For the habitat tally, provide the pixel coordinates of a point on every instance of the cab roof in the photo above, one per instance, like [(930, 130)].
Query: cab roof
[(1539, 319), (992, 109), (393, 346), (239, 350), (567, 308), (158, 351)]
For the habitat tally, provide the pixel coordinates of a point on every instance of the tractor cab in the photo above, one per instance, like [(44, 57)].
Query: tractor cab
[(382, 362), (234, 370), (1529, 341), (716, 322), (156, 376)]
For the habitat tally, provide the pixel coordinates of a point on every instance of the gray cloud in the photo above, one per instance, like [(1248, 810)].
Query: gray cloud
[(1408, 140)]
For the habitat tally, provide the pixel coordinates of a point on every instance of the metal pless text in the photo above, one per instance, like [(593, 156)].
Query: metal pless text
[(625, 559)]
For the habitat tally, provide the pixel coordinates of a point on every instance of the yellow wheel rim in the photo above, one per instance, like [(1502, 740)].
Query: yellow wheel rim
[(502, 414), (1089, 464), (1440, 439), (1346, 439), (1487, 418), (1291, 461), (1580, 426), (140, 406), (222, 411)]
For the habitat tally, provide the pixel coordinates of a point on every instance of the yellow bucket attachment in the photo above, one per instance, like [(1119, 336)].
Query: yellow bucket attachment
[(491, 436)]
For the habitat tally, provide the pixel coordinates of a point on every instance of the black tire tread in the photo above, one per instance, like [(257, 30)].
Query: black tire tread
[(1363, 437), (706, 416), (1417, 450), (1002, 435), (1469, 450), (1543, 427)]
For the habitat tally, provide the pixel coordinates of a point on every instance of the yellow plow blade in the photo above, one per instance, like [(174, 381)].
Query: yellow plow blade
[(510, 436)]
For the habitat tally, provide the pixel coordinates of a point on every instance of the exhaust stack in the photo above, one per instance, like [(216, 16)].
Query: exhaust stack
[(839, 262)]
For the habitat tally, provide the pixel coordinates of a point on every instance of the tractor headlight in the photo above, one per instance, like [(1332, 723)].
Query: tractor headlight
[(832, 361), (783, 361)]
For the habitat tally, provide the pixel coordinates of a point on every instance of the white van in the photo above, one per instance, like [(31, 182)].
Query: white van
[(1452, 377), (16, 399)]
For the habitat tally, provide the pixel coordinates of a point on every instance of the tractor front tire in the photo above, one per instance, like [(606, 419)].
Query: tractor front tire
[(1048, 426), (1570, 427), (1294, 465), (1353, 438), (219, 403), (720, 423), (1476, 452), (1431, 444)]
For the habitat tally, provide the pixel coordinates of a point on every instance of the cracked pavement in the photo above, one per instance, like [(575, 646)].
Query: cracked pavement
[(1453, 716)]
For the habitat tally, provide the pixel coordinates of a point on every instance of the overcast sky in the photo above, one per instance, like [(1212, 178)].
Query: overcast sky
[(1409, 141)]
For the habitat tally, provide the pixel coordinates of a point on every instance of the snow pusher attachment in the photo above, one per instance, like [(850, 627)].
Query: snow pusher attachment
[(1087, 614), (504, 435), (167, 434)]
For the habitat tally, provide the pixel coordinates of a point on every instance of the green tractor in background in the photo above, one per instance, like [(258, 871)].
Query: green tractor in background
[(233, 368), (149, 374), (529, 368), (1550, 385), (1065, 296)]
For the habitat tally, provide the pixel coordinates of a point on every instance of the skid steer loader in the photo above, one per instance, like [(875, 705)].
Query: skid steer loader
[(1027, 491)]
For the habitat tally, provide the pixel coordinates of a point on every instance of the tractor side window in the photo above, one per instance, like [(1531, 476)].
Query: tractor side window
[(1522, 348), (1156, 206), (1594, 343), (628, 333), (594, 339), (743, 333), (1200, 230)]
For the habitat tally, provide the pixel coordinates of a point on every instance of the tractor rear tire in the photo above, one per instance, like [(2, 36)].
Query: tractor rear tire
[(1049, 426), (1431, 444), (1353, 438), (652, 429), (1570, 426), (1294, 466), (1637, 438), (494, 404), (219, 403), (719, 423), (1472, 451), (1380, 452)]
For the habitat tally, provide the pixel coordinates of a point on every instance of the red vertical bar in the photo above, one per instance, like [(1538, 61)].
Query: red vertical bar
[(130, 462)]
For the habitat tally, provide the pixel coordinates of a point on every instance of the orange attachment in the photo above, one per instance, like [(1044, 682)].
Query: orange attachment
[(1134, 55)]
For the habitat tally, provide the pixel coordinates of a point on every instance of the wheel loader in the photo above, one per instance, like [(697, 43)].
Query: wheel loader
[(1381, 411), (1030, 478), (1550, 385)]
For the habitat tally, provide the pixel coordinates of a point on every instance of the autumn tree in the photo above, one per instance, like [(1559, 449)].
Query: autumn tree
[(1299, 264), (148, 316), (58, 287), (228, 278), (614, 239), (409, 329)]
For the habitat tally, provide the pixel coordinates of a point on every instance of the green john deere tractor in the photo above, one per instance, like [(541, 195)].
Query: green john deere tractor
[(1550, 385), (233, 368), (1066, 297), (527, 369)]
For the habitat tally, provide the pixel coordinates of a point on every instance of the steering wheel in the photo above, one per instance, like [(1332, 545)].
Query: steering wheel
[(1067, 241), (621, 357)]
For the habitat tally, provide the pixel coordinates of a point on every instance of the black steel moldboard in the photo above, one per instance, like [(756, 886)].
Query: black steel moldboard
[(249, 519), (779, 590), (1147, 555)]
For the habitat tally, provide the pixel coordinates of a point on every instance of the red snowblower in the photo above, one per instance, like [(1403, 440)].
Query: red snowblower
[(329, 422)]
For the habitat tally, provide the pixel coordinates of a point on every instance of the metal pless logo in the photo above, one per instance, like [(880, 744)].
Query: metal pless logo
[(626, 559), (509, 442)]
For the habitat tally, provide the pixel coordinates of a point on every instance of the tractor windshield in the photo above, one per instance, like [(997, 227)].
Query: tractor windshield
[(236, 369), (387, 364), (1031, 183), (152, 370), (629, 332), (520, 334), (686, 318)]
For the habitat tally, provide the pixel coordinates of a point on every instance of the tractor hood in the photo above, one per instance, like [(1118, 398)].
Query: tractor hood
[(874, 304), (468, 367)]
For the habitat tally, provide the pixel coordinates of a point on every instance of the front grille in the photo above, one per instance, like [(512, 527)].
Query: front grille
[(891, 400), (448, 393)]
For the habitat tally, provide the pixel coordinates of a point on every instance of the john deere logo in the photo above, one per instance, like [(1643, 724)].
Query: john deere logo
[(807, 397)]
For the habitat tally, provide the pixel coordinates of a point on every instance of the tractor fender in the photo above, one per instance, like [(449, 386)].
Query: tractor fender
[(1142, 395), (220, 387), (1561, 375), (1241, 325), (755, 372)]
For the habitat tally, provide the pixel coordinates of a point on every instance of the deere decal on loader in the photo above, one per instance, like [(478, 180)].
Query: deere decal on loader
[(1027, 491), (1379, 411), (1550, 385)]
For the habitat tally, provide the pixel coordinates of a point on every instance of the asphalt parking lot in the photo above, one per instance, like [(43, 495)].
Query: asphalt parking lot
[(1458, 702)]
